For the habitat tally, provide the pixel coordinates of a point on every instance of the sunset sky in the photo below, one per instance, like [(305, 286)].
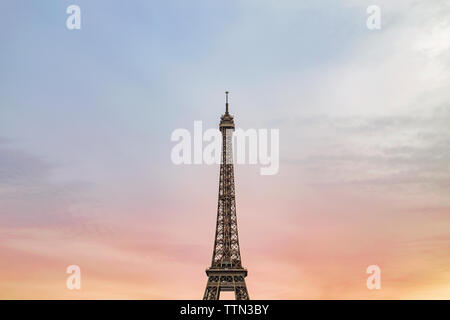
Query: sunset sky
[(86, 176)]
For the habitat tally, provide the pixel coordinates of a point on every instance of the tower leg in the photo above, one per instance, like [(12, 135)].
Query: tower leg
[(212, 291), (240, 288)]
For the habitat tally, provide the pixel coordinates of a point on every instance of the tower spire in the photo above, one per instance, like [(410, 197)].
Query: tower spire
[(226, 104)]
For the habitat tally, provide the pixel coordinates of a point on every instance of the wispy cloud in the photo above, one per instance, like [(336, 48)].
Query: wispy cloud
[(390, 151)]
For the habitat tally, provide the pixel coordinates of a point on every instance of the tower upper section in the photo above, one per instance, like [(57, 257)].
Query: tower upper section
[(226, 120)]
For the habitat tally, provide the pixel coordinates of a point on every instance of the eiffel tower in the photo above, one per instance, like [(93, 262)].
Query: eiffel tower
[(226, 272)]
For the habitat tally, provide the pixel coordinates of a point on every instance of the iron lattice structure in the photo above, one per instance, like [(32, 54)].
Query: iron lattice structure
[(226, 272)]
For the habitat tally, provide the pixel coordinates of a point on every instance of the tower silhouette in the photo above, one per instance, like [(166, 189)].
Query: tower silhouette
[(226, 272)]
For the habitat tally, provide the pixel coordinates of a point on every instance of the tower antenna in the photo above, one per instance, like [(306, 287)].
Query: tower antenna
[(226, 104)]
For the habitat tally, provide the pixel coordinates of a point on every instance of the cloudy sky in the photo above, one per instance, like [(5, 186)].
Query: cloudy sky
[(86, 118)]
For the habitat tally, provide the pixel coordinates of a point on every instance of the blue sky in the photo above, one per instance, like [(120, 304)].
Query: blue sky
[(136, 72)]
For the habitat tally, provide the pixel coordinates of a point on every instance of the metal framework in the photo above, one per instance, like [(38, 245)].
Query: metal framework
[(226, 272)]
